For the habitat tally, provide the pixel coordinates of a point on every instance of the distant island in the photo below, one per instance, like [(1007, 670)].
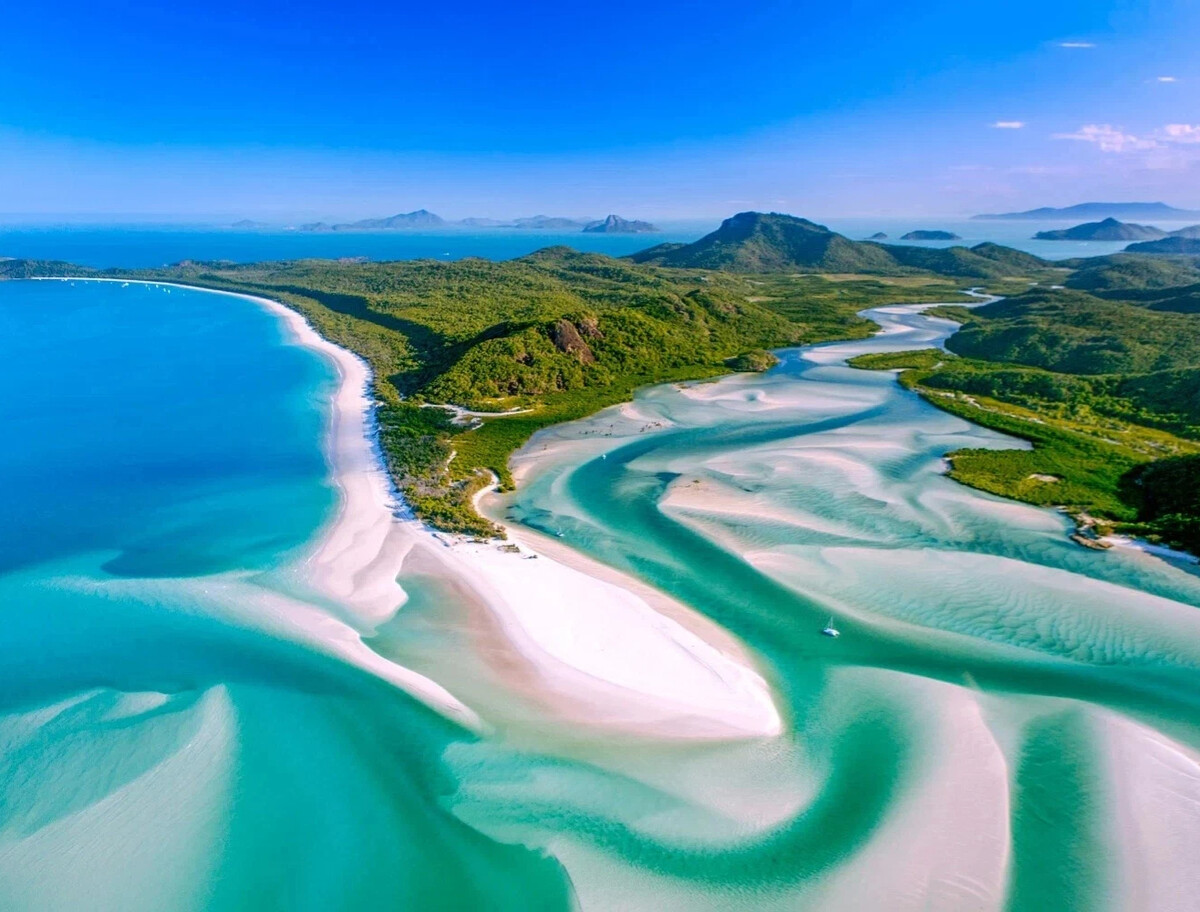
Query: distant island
[(614, 224), (878, 236), (1107, 230), (925, 235), (423, 219), (546, 223), (1097, 211)]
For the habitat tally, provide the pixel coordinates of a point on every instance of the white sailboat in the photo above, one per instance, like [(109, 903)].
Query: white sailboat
[(830, 630)]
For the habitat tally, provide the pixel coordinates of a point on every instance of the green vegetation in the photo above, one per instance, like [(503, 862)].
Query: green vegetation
[(759, 242), (1170, 494), (1127, 271), (1105, 391), (547, 338), (1103, 377), (755, 361), (1076, 333), (33, 269)]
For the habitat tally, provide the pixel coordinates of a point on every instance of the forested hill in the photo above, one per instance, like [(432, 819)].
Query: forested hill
[(758, 242), (1107, 389)]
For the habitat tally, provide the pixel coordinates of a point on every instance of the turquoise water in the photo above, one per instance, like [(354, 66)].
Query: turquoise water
[(1006, 722), (164, 743), (1003, 712)]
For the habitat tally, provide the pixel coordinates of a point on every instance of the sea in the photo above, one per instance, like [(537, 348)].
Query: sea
[(149, 245)]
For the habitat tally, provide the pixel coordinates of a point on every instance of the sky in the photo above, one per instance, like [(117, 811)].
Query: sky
[(303, 110)]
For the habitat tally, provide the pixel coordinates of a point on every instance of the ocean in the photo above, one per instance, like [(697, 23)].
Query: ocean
[(148, 246)]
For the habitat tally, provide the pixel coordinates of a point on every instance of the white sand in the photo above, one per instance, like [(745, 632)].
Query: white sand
[(944, 844), (642, 670), (1155, 784), (615, 652), (636, 661)]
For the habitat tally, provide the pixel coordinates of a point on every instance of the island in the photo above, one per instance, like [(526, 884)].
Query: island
[(1107, 230), (420, 218), (927, 235), (614, 224), (878, 236)]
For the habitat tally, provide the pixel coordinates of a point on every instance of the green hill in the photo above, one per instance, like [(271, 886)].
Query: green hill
[(758, 242), (1108, 229), (1107, 390), (770, 242), (32, 269), (1131, 271), (1169, 245), (1179, 299), (1077, 333)]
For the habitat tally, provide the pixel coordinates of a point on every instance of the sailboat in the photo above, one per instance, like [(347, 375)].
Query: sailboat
[(830, 630)]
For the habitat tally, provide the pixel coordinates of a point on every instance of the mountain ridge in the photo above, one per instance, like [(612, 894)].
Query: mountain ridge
[(775, 242), (1097, 211)]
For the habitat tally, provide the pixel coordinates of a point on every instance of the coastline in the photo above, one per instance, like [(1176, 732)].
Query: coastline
[(614, 654)]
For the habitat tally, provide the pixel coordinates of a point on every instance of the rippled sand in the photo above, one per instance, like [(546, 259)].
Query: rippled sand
[(1005, 720)]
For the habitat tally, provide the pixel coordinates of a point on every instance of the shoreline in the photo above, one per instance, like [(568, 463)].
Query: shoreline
[(616, 655)]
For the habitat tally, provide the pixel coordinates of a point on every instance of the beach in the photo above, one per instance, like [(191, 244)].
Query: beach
[(605, 651)]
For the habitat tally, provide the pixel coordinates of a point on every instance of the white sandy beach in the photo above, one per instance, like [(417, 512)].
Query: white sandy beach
[(606, 650)]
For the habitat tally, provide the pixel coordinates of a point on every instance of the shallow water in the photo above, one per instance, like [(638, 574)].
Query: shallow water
[(1007, 721), (954, 748), (167, 739)]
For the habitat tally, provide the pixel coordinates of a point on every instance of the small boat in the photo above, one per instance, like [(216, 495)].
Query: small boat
[(830, 630)]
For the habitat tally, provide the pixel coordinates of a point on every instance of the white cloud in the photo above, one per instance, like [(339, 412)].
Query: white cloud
[(1109, 138), (1008, 124), (1167, 79), (1076, 44), (1180, 133)]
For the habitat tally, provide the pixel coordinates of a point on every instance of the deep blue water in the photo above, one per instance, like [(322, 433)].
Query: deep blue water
[(167, 430), (141, 247), (150, 246)]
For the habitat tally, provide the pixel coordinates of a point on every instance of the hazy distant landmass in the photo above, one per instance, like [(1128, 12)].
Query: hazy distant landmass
[(548, 223), (926, 235), (1097, 211), (614, 224), (771, 242), (878, 236), (421, 218), (485, 223), (424, 219), (1110, 229), (248, 224)]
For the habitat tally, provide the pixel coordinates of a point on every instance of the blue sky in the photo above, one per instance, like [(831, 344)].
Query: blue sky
[(309, 110)]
